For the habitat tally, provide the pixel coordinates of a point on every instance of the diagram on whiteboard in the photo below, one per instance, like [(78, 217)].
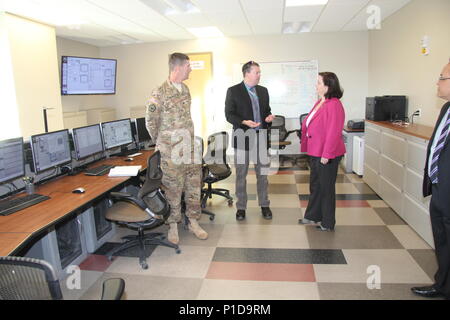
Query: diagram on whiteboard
[(291, 86)]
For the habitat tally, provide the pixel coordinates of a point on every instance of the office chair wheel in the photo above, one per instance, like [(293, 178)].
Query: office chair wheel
[(230, 203), (177, 251), (211, 218)]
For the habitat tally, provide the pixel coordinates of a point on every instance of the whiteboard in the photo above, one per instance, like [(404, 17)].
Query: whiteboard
[(291, 85)]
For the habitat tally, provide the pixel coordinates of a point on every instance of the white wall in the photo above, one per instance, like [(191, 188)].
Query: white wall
[(36, 80), (396, 65), (9, 113), (143, 67)]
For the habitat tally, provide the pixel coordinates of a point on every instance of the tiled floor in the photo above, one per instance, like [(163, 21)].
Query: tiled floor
[(275, 259)]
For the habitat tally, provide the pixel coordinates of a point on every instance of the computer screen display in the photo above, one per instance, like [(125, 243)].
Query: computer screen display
[(117, 133), (80, 75), (142, 131), (50, 150), (12, 163), (87, 141)]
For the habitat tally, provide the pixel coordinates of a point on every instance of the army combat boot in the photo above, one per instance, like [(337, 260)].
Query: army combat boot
[(195, 228), (173, 233)]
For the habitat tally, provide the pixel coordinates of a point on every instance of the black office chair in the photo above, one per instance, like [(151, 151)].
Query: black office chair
[(302, 156), (279, 123), (146, 210), (215, 167), (33, 279)]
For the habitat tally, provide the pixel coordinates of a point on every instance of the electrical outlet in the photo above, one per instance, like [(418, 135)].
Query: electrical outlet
[(419, 112)]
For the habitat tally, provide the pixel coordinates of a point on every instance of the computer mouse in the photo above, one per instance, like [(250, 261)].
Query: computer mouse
[(79, 190), (129, 159)]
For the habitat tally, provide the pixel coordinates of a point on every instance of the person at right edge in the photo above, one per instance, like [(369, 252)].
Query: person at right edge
[(322, 140), (436, 182)]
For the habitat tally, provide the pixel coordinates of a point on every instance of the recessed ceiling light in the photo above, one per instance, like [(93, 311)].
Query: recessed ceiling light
[(297, 27), (206, 32), (299, 3)]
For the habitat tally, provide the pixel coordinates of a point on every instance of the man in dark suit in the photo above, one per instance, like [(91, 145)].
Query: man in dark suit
[(247, 109), (437, 183)]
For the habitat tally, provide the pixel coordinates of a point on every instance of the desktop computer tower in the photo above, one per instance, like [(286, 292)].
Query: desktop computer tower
[(386, 108)]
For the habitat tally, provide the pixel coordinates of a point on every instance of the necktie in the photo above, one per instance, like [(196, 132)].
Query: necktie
[(437, 151), (255, 106)]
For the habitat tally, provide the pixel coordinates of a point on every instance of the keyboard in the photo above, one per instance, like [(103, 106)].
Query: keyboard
[(13, 205), (98, 171)]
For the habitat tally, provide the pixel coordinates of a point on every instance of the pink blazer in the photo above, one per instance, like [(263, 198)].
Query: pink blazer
[(323, 137)]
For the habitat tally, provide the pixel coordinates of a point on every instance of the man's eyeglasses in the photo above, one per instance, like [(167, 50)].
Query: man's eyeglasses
[(443, 78)]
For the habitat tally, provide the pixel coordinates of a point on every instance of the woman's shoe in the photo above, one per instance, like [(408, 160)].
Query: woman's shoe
[(320, 228), (306, 221)]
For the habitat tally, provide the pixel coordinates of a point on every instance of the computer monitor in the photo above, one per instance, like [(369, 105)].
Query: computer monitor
[(116, 133), (12, 162), (50, 150), (87, 141), (141, 129)]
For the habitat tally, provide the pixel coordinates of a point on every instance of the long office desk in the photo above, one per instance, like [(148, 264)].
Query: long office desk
[(20, 227)]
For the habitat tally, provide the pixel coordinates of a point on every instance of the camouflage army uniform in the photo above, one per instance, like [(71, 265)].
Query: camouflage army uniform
[(168, 112)]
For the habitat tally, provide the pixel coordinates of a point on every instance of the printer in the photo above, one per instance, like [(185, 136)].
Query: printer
[(356, 124), (386, 108)]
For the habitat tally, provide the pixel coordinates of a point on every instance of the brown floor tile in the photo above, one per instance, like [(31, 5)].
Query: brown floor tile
[(261, 271), (426, 259), (389, 216), (353, 237)]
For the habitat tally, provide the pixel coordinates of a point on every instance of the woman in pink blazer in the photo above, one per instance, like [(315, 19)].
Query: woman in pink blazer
[(322, 141)]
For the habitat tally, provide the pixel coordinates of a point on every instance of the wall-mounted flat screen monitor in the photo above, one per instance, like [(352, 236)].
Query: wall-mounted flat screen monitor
[(116, 133), (50, 150), (12, 163), (141, 129), (87, 141), (81, 75)]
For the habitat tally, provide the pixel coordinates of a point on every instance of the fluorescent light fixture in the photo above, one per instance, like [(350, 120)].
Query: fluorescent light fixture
[(296, 27), (299, 3), (181, 6), (171, 7), (206, 32)]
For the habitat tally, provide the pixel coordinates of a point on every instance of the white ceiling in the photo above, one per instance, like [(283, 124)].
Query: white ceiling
[(115, 22)]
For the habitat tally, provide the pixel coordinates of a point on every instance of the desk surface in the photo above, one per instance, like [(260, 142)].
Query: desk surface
[(16, 228), (417, 130)]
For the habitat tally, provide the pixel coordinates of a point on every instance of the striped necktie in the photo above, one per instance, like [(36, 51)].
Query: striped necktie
[(255, 106), (437, 151)]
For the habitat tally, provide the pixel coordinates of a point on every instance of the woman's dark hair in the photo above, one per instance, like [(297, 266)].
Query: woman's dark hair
[(332, 82), (246, 67)]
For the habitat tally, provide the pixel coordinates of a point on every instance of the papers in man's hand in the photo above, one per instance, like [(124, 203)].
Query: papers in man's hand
[(124, 171)]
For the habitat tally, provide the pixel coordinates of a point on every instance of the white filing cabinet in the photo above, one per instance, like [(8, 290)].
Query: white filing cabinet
[(358, 155), (393, 168), (348, 135)]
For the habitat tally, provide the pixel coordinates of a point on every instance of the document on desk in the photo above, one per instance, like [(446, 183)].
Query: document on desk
[(124, 171)]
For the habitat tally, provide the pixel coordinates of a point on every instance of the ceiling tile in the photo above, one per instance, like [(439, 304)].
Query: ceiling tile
[(337, 14), (387, 8), (304, 13)]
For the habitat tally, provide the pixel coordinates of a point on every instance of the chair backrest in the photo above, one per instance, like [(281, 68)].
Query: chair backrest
[(216, 152), (150, 191), (301, 118), (279, 123), (28, 279)]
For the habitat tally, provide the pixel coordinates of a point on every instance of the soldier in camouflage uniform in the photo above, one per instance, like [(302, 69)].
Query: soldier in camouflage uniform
[(169, 122)]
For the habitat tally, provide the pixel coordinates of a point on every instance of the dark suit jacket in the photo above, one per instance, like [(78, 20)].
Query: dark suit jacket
[(238, 107), (443, 161)]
